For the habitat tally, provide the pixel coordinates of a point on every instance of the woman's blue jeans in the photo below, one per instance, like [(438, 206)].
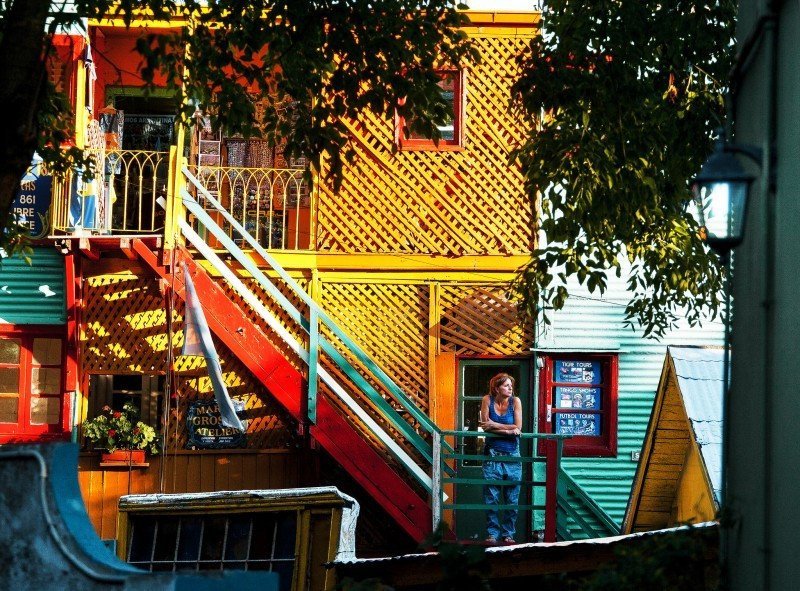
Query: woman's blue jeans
[(501, 523)]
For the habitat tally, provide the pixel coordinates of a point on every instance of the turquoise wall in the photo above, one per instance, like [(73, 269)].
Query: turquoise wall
[(591, 322)]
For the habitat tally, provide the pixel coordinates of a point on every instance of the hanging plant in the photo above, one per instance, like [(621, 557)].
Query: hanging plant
[(121, 429)]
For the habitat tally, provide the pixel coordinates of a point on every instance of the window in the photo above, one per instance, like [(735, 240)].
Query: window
[(32, 403), (578, 397), (144, 391), (246, 541), (452, 89)]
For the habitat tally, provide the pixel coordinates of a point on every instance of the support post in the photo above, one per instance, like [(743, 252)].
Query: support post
[(436, 480), (552, 456)]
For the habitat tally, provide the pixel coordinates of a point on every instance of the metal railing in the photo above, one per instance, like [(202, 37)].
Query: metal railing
[(458, 454), (272, 204), (578, 508), (120, 199)]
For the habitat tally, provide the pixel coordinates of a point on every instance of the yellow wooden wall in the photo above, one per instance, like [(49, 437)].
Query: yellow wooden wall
[(449, 202), (693, 502), (189, 471)]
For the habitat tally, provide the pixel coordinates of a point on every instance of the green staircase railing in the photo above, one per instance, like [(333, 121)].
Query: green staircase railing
[(577, 510)]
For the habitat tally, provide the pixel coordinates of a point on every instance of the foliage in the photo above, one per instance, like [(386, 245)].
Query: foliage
[(464, 567), (676, 561), (313, 66), (114, 429), (624, 95)]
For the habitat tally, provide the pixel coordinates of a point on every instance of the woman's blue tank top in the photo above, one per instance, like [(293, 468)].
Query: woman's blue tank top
[(507, 444)]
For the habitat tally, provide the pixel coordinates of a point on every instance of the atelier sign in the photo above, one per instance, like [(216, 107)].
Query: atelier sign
[(206, 430)]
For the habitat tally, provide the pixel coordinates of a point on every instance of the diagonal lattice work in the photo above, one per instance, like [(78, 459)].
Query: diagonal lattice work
[(125, 332), (479, 320), (449, 202), (389, 321)]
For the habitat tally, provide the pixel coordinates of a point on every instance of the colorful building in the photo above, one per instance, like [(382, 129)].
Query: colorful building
[(357, 327)]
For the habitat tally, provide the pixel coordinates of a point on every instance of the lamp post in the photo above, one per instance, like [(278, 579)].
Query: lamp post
[(721, 192)]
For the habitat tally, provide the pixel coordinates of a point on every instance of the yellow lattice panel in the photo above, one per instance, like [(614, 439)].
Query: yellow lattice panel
[(450, 202), (125, 331), (388, 321), (479, 320)]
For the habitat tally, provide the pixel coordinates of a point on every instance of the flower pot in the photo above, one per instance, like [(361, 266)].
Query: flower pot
[(123, 456)]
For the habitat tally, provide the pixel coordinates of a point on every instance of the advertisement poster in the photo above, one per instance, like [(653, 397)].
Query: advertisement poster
[(577, 372), (573, 423), (575, 397)]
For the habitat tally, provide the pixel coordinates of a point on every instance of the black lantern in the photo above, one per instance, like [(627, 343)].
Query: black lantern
[(720, 195)]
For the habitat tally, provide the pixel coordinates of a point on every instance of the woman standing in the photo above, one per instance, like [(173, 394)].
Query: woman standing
[(501, 414)]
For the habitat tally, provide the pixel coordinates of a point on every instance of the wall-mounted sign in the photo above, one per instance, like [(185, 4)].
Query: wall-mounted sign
[(578, 372), (206, 430), (33, 201), (573, 423), (575, 397)]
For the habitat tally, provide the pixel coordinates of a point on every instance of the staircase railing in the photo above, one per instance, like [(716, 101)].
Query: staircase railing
[(316, 342), (600, 525)]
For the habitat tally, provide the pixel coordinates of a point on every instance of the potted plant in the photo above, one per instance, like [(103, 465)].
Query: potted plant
[(121, 435)]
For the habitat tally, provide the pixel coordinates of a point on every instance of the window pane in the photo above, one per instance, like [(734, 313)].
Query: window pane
[(238, 538), (285, 571), (8, 409), (46, 351), (166, 538), (448, 87), (142, 538), (45, 411), (284, 541), (46, 380), (213, 537), (127, 382), (9, 380), (189, 545), (9, 350)]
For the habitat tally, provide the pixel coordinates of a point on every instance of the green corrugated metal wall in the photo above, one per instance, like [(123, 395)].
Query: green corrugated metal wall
[(33, 293), (588, 322)]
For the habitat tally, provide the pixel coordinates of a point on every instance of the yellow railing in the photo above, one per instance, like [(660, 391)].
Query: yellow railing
[(273, 204), (120, 199)]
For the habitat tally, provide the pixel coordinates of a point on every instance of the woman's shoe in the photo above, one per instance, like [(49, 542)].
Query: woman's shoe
[(491, 540), (509, 540)]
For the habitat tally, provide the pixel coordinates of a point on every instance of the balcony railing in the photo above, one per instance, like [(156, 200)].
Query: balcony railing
[(272, 204), (458, 459), (121, 199)]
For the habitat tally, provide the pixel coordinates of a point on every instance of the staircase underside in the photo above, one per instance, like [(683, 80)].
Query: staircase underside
[(268, 364)]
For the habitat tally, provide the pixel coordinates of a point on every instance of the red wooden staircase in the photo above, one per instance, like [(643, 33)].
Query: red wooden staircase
[(231, 324)]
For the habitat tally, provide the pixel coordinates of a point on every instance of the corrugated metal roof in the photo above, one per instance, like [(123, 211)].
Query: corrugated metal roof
[(33, 293), (699, 371)]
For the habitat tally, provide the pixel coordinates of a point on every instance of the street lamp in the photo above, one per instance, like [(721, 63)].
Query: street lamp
[(720, 195), (721, 192)]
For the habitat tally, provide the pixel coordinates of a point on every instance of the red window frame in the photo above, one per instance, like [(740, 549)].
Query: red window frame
[(604, 445), (459, 102), (23, 430)]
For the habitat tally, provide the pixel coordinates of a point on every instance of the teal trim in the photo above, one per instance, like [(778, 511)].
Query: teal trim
[(33, 293), (313, 364), (588, 518)]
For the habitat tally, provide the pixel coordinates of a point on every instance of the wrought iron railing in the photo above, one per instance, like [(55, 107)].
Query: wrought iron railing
[(458, 455), (272, 204), (121, 198)]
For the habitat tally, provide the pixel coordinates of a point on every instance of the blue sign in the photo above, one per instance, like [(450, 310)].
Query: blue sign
[(32, 202), (574, 423), (206, 430), (575, 397), (578, 372)]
